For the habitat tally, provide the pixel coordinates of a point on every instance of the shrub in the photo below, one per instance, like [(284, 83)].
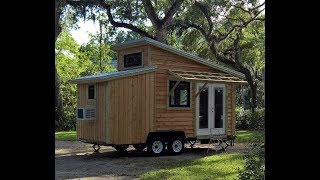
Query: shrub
[(245, 119), (254, 161)]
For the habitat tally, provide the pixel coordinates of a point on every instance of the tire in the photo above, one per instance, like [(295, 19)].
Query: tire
[(156, 146), (139, 147), (121, 148), (176, 145)]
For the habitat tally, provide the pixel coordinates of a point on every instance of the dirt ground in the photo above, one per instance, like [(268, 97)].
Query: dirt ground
[(76, 160)]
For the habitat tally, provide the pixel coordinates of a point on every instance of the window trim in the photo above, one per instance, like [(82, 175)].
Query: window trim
[(133, 52), (168, 98)]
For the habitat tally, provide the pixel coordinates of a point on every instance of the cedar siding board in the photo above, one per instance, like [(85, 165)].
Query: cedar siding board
[(180, 118), (92, 130), (132, 109)]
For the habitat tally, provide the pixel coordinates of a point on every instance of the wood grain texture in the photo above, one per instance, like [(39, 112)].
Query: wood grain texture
[(131, 116), (172, 119), (92, 130)]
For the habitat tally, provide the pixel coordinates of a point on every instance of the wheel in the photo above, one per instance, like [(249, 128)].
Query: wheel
[(176, 145), (121, 148), (139, 147), (156, 146)]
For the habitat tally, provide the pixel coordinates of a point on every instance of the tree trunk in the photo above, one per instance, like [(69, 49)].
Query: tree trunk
[(161, 35), (59, 4), (253, 90), (58, 98)]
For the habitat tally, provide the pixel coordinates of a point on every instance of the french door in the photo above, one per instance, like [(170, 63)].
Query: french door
[(210, 108)]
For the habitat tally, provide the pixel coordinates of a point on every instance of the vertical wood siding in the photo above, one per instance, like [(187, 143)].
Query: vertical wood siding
[(131, 109), (92, 130)]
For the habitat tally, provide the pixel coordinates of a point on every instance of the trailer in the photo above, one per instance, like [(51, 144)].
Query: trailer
[(159, 98)]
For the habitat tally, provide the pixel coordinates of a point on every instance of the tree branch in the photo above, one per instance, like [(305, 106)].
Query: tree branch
[(219, 57), (169, 15), (206, 13), (245, 24), (125, 25), (107, 7), (151, 12)]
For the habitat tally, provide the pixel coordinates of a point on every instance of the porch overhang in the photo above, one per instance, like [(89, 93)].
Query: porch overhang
[(206, 77)]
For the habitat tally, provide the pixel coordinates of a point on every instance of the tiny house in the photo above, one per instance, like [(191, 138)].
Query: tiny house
[(159, 97)]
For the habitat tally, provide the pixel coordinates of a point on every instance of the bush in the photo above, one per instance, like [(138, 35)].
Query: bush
[(254, 161), (245, 119), (66, 121)]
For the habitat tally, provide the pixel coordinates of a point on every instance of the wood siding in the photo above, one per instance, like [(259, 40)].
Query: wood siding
[(230, 113), (92, 130), (145, 49), (128, 108), (131, 113), (174, 118)]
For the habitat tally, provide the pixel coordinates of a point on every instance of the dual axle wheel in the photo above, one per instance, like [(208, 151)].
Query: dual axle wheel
[(156, 146)]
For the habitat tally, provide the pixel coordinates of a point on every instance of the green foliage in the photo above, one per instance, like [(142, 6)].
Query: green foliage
[(253, 46), (69, 64), (222, 166), (254, 160), (247, 136), (243, 97), (246, 119), (92, 51), (254, 169), (66, 136), (73, 62)]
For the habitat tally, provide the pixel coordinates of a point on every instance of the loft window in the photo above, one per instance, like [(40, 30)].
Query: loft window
[(132, 60), (91, 92), (180, 97)]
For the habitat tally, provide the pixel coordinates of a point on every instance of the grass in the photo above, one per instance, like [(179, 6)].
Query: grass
[(222, 166), (245, 136), (66, 136)]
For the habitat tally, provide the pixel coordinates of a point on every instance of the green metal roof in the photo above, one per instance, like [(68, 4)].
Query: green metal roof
[(113, 75)]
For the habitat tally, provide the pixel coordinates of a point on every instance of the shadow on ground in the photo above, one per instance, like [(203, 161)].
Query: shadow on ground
[(109, 164), (112, 163)]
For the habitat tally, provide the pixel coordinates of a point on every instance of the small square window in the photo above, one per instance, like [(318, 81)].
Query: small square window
[(181, 94), (132, 60), (91, 92)]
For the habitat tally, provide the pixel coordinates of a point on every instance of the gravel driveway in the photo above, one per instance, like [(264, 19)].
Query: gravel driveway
[(76, 160)]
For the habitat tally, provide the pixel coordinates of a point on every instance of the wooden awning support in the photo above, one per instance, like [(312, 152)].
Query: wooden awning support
[(206, 77), (204, 86), (174, 87)]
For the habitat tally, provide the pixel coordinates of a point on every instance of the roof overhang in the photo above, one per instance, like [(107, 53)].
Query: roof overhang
[(145, 40), (206, 77), (112, 75)]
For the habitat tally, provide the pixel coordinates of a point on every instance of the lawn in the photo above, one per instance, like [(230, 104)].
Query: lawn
[(221, 166), (66, 136), (244, 136)]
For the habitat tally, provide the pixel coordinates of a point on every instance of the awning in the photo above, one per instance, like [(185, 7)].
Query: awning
[(206, 76)]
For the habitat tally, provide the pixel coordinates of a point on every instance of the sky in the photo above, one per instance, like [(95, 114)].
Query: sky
[(81, 35)]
